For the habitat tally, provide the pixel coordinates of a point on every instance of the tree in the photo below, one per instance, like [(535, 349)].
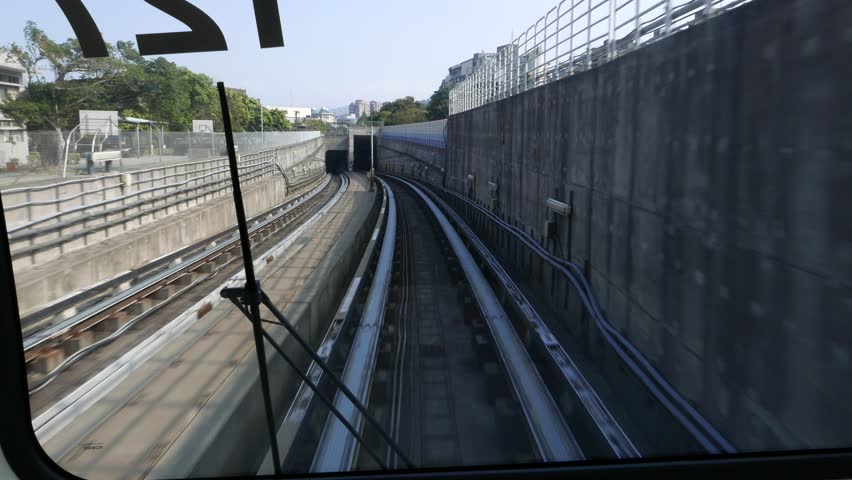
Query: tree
[(276, 121), (401, 111), (74, 81), (314, 124), (439, 104)]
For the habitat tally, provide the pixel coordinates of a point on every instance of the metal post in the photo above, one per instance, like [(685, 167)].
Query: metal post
[(262, 139), (571, 41), (612, 49), (67, 147), (558, 32), (151, 139), (668, 16), (138, 143), (589, 37), (372, 162), (638, 33)]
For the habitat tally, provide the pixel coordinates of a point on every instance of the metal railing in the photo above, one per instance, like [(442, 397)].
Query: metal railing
[(30, 206), (575, 36)]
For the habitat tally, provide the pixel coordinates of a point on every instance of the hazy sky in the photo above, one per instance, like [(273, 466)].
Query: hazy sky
[(336, 50)]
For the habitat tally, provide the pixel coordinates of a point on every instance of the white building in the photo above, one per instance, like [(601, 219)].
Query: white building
[(350, 119), (327, 117), (294, 114), (14, 144), (461, 71), (359, 108)]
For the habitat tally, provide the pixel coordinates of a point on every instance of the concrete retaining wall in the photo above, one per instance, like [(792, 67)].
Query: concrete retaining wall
[(406, 158), (708, 175), (43, 284)]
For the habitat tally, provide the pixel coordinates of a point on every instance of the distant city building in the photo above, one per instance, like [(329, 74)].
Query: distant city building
[(326, 117), (359, 108), (376, 107), (461, 71), (350, 119), (294, 114), (14, 143)]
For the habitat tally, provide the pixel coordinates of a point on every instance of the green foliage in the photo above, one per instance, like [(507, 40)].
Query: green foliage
[(402, 111), (276, 121), (439, 104), (34, 156), (62, 82), (314, 124), (75, 82), (73, 158)]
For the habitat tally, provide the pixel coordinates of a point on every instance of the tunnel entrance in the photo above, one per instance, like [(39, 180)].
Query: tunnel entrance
[(362, 153), (336, 161)]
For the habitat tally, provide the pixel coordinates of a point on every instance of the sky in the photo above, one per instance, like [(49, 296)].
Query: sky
[(336, 51)]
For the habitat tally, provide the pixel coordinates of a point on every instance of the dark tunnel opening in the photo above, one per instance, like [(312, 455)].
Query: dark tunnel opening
[(362, 153), (336, 161)]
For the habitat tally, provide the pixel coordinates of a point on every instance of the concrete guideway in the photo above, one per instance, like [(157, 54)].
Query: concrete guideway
[(337, 447), (194, 357), (552, 434), (301, 409)]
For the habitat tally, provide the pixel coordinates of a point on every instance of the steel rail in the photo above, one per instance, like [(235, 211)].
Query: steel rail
[(125, 298), (62, 413), (49, 310), (552, 435)]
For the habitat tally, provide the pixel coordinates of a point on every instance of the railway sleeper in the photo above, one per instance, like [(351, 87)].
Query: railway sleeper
[(140, 306), (165, 292), (111, 324), (78, 342), (47, 361)]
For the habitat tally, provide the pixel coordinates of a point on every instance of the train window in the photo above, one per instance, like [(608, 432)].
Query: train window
[(608, 244)]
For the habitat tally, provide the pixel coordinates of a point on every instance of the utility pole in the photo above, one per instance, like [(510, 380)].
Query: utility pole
[(262, 138), (372, 162)]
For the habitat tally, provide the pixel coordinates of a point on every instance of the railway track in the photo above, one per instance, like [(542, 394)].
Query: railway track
[(130, 354), (435, 360), (114, 307)]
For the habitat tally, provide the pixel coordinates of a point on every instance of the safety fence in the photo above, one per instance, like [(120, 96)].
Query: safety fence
[(432, 134), (34, 207), (51, 147), (575, 36)]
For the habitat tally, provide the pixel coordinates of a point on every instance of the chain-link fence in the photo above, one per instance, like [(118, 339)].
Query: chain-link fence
[(142, 148)]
